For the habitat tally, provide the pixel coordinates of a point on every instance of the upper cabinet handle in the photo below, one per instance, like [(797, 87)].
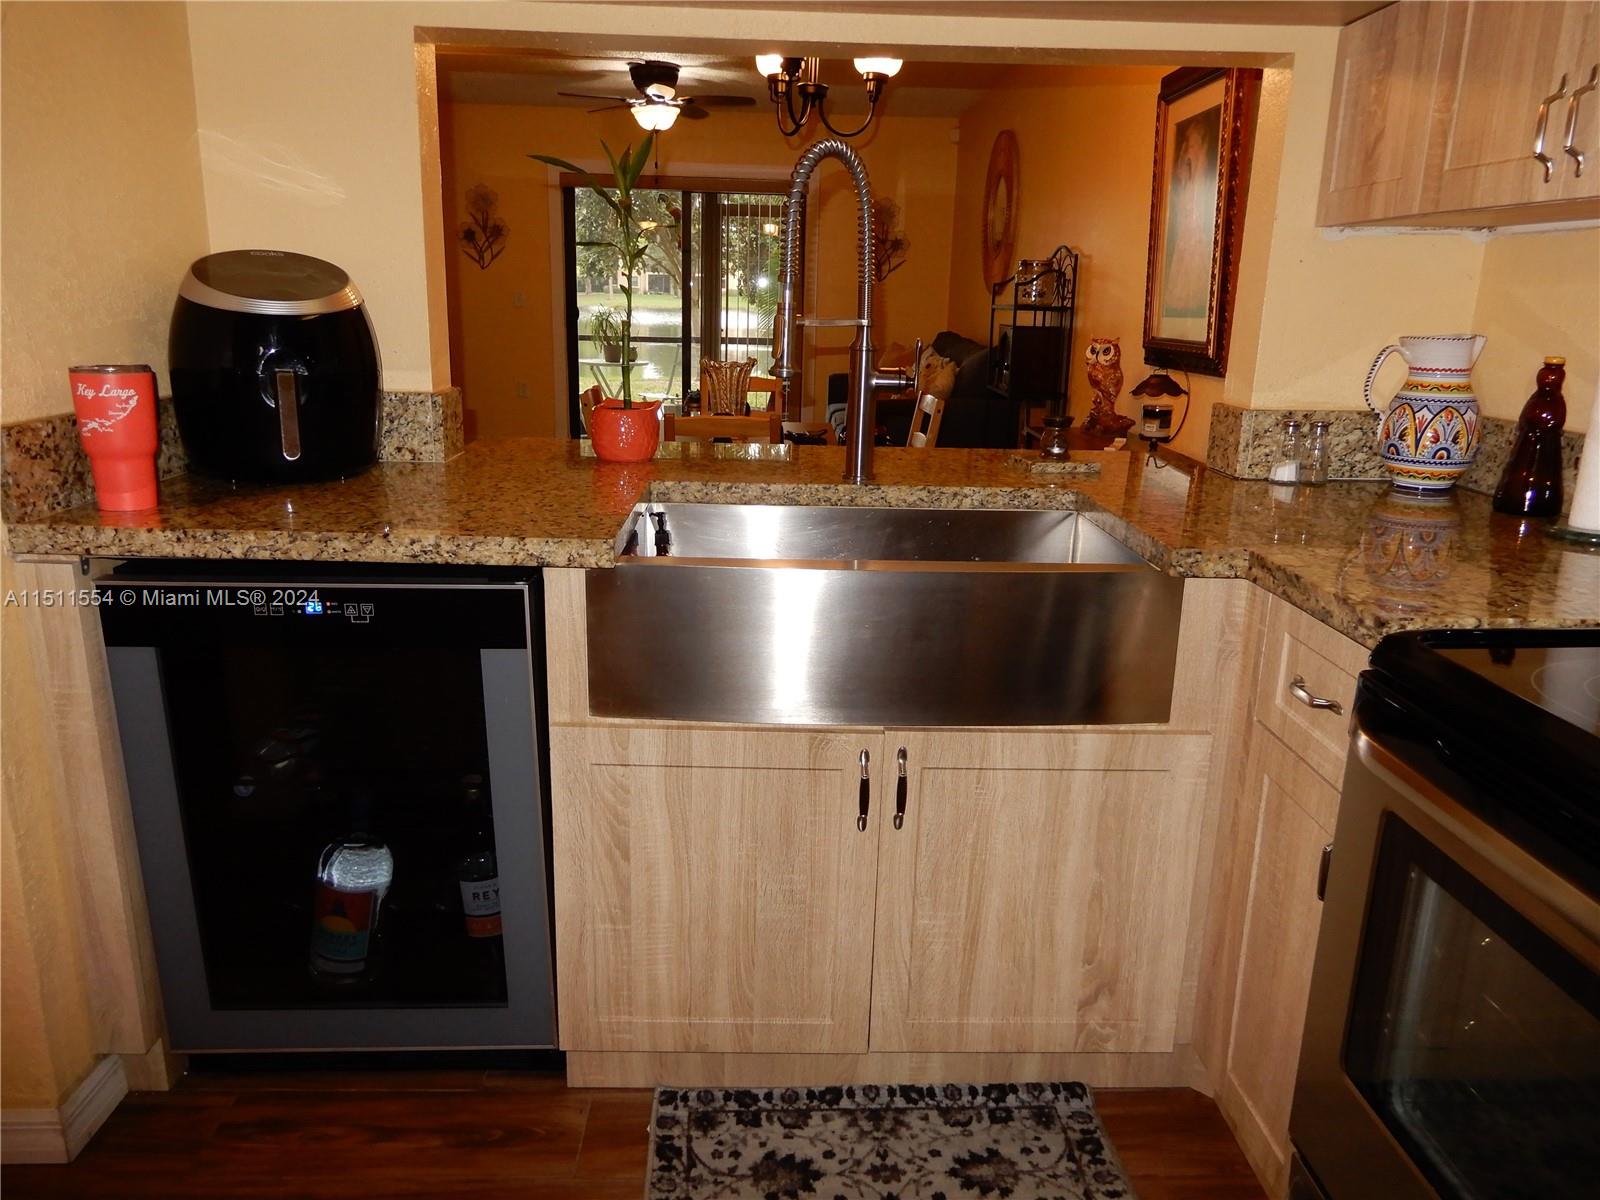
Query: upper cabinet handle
[(900, 790), (1299, 690), (866, 792), (1543, 124), (1572, 151)]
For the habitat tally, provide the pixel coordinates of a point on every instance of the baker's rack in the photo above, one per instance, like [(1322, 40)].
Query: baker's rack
[(1032, 369)]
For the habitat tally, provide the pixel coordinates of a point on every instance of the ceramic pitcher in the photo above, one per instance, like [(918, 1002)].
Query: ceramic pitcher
[(1430, 434)]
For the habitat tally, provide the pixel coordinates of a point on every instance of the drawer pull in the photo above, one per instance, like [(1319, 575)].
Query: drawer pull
[(900, 790), (1578, 94), (1543, 124), (866, 792), (1299, 690)]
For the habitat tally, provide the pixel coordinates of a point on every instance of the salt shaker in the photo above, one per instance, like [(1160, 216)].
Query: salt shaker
[(1287, 467), (1316, 467)]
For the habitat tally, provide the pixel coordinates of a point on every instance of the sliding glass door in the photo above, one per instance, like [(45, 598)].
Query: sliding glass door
[(707, 288)]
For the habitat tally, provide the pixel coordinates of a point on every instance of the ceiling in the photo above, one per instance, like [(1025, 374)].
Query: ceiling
[(1205, 12), (532, 77), (507, 73)]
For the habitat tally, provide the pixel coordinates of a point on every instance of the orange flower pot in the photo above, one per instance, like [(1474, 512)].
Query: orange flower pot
[(625, 434)]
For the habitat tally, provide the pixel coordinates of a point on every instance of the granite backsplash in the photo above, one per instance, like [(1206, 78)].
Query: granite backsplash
[(43, 467), (1244, 441)]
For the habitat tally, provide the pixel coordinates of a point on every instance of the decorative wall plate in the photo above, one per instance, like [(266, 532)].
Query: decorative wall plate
[(1000, 210)]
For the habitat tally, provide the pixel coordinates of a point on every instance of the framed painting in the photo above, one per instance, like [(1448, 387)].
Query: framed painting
[(1205, 118)]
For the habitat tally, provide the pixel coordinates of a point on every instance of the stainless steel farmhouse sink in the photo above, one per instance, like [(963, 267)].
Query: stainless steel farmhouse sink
[(799, 615)]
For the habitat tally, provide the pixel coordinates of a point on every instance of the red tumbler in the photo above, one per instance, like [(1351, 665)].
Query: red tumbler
[(116, 409)]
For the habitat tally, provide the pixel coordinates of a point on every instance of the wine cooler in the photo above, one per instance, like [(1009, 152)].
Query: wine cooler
[(338, 790)]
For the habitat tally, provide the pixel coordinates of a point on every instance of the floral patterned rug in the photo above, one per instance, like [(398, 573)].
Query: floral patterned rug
[(1002, 1141)]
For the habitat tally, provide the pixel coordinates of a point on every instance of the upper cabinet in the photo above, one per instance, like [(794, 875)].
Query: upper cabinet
[(1480, 113)]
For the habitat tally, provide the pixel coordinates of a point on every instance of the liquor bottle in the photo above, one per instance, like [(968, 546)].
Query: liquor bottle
[(1530, 486), (476, 869), (353, 876)]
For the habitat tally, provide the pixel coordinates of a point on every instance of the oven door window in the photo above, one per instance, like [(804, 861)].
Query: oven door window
[(338, 825), (1473, 1036)]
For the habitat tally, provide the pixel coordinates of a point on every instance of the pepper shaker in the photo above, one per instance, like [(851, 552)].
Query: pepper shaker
[(1317, 455)]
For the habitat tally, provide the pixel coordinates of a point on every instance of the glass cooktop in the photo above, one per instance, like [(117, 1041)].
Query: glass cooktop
[(1562, 680)]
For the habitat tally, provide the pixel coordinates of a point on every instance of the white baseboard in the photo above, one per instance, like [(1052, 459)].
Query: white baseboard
[(55, 1135)]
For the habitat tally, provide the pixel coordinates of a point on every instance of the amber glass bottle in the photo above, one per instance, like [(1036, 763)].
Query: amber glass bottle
[(1530, 486)]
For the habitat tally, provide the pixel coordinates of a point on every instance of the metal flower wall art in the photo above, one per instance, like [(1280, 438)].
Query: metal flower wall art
[(483, 234)]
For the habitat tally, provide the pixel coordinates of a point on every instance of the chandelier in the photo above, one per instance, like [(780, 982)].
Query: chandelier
[(796, 93)]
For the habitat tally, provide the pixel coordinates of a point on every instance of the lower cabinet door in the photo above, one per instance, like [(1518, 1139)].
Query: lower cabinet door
[(713, 891), (1287, 800), (1036, 894)]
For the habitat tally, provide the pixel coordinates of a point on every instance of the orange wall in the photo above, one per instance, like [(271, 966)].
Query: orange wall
[(1085, 141), (495, 343)]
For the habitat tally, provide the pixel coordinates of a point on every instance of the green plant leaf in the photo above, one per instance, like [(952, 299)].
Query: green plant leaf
[(640, 159), (589, 181)]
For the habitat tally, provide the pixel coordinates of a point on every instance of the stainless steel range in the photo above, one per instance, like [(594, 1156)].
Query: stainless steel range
[(1452, 1043)]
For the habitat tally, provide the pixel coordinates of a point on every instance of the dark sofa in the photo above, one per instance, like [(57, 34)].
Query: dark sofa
[(973, 416)]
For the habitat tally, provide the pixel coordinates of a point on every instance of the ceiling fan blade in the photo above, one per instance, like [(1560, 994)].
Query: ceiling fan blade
[(592, 96), (609, 107), (721, 101), (692, 112)]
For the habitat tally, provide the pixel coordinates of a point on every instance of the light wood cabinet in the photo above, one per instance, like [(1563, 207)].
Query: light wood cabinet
[(1305, 666), (1502, 62), (1379, 123), (1289, 804), (1436, 108), (1036, 897), (713, 891)]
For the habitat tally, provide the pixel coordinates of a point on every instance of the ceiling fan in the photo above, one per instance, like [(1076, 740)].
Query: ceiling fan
[(658, 104)]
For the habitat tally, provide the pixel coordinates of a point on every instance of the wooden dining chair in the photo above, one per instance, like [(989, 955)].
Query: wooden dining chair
[(765, 385), (758, 427), (587, 400), (930, 409)]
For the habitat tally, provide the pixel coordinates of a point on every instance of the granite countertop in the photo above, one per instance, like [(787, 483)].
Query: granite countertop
[(1355, 555)]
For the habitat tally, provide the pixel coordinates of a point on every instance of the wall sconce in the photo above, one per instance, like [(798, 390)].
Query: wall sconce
[(789, 78)]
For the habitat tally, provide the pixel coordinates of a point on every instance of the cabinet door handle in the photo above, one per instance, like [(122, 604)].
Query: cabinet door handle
[(900, 790), (1572, 151), (1299, 690), (1322, 871), (1543, 123), (866, 791)]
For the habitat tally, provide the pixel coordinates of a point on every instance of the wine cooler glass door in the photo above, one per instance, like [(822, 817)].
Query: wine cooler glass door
[(341, 827)]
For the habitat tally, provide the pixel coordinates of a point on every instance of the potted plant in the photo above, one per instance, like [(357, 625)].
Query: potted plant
[(606, 327), (621, 429)]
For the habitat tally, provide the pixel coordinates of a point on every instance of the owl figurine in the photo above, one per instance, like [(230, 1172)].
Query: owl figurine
[(1103, 360)]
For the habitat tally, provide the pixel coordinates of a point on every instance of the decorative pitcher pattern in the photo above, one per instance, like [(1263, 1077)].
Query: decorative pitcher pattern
[(1431, 432)]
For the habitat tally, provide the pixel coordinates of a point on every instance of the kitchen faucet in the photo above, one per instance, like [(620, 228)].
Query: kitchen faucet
[(865, 381)]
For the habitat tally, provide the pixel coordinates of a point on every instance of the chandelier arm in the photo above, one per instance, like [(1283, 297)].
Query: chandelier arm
[(871, 112)]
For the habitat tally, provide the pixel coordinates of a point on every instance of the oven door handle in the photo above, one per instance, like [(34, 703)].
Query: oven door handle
[(1495, 853)]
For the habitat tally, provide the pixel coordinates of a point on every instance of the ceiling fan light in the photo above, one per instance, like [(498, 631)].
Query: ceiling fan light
[(769, 64), (657, 118), (886, 67)]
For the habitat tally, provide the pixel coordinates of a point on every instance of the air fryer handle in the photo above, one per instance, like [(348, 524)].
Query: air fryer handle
[(288, 387)]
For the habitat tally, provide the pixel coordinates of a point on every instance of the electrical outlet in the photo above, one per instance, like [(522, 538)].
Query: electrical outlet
[(522, 390), (518, 299)]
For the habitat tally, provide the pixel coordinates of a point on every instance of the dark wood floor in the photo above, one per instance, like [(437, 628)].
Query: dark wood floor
[(488, 1135)]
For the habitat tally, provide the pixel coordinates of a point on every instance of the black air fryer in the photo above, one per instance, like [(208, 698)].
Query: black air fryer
[(274, 368)]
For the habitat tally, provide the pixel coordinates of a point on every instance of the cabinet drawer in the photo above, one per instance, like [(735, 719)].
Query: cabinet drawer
[(1325, 664)]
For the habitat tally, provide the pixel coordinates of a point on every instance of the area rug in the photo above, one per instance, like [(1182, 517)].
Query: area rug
[(1001, 1141)]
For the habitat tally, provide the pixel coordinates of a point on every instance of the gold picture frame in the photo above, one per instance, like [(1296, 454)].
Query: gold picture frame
[(1205, 121)]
